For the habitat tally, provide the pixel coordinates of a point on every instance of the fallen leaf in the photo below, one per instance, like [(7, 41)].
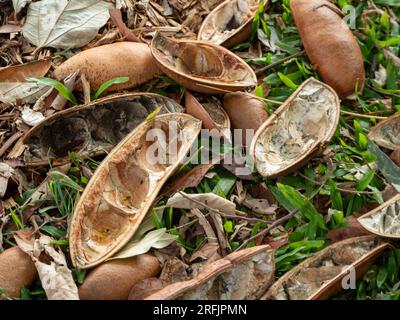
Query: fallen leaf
[(20, 4), (65, 24), (155, 239), (5, 173), (208, 199), (353, 229), (27, 92), (146, 287), (55, 276), (30, 117), (207, 252), (10, 28), (190, 179), (20, 72), (174, 270), (116, 17), (260, 206)]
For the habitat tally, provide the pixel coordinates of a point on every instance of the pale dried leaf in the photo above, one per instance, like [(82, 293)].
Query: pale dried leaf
[(27, 92), (208, 199), (56, 278), (30, 117), (20, 4), (155, 239), (65, 24), (5, 173)]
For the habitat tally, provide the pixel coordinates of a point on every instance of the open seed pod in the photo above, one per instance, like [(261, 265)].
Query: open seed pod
[(246, 113), (230, 23), (384, 220), (242, 275), (119, 59), (210, 112), (296, 131), (202, 66), (91, 130), (124, 186), (387, 133), (330, 45), (320, 276)]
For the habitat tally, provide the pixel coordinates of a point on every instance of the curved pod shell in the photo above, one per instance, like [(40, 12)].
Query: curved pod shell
[(16, 270), (113, 280), (230, 23), (296, 131), (124, 186), (384, 220), (330, 45), (91, 130), (120, 59), (246, 113), (320, 276), (242, 275), (202, 66), (210, 112), (387, 133)]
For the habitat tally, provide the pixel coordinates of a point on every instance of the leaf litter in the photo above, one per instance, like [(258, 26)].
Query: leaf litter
[(204, 213)]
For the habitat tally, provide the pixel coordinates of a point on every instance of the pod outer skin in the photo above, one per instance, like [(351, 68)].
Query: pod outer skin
[(120, 59), (114, 279), (330, 45), (16, 270)]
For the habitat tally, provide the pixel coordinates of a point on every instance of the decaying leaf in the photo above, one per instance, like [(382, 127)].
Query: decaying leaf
[(246, 113), (55, 276), (298, 130), (190, 179), (384, 220), (230, 23), (6, 172), (157, 239), (93, 129), (13, 85), (387, 133), (320, 276), (124, 186), (65, 24), (19, 73), (119, 59), (211, 114), (208, 199), (330, 45), (31, 117), (242, 275), (353, 229), (202, 66)]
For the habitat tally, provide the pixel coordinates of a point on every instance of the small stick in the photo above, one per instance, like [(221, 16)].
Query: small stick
[(246, 93), (229, 216), (9, 142), (356, 115), (279, 62), (271, 227)]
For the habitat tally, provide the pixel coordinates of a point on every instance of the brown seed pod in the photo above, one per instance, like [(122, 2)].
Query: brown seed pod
[(330, 45), (245, 112), (120, 59), (210, 112), (387, 133), (114, 279), (91, 130), (202, 66), (124, 186), (230, 23), (384, 220), (242, 275), (296, 131), (320, 276), (16, 270)]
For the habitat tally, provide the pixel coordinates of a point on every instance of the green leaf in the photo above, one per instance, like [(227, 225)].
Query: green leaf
[(336, 197), (386, 166), (228, 226), (153, 114), (108, 84), (61, 88), (289, 83), (363, 183)]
